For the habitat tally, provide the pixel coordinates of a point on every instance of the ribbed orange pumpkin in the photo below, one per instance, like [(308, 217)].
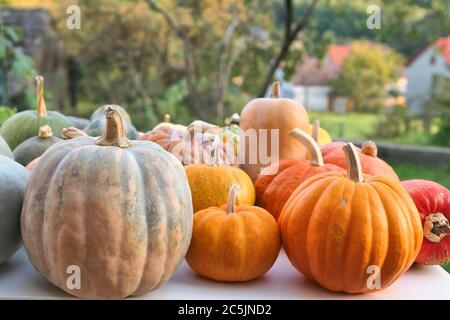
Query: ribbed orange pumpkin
[(273, 189), (370, 163), (210, 184), (233, 243), (351, 233), (270, 114), (119, 210)]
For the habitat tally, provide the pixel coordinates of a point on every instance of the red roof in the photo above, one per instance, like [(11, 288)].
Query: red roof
[(338, 53), (443, 45)]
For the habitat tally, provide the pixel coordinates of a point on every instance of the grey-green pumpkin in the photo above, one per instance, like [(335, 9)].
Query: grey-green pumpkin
[(97, 125), (13, 181), (35, 147), (25, 124), (78, 122), (5, 149)]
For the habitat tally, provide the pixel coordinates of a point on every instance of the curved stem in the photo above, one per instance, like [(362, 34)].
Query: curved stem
[(276, 89), (41, 108), (231, 203), (310, 144), (436, 227), (72, 132), (354, 171), (114, 134), (315, 130), (369, 148), (45, 132)]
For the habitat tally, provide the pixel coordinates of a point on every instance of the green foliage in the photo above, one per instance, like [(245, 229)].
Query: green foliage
[(440, 104), (409, 171), (15, 65), (394, 123), (366, 71), (5, 113)]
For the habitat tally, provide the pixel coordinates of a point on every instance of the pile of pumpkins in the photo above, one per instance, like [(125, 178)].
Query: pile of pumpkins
[(127, 207)]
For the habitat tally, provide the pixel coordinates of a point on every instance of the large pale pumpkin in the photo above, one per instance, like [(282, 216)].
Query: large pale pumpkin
[(351, 233), (119, 210), (233, 243), (5, 150), (210, 184), (274, 185), (270, 114), (370, 163), (13, 180), (26, 124)]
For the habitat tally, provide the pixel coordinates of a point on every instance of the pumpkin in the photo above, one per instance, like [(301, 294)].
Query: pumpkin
[(371, 164), (276, 115), (13, 180), (34, 147), (210, 184), (5, 150), (32, 164), (193, 145), (97, 125), (166, 123), (99, 113), (351, 233), (231, 133), (233, 243), (25, 124), (77, 122), (118, 210), (320, 135), (274, 186), (433, 203)]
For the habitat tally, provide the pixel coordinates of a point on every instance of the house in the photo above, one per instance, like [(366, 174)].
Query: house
[(313, 75), (427, 64)]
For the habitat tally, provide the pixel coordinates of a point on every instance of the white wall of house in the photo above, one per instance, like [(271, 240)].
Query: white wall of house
[(420, 75), (312, 97)]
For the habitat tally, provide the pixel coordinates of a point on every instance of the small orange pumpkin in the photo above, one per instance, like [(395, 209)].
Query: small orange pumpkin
[(351, 233), (233, 243), (210, 184), (370, 163), (274, 189)]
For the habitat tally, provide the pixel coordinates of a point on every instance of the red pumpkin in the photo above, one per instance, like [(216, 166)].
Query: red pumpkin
[(275, 185), (433, 203), (370, 163)]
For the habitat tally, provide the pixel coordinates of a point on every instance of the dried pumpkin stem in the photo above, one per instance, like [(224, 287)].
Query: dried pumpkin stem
[(354, 171), (45, 132), (369, 148), (436, 227), (231, 203), (41, 108), (276, 89), (310, 144), (315, 130), (114, 134), (72, 132), (166, 118)]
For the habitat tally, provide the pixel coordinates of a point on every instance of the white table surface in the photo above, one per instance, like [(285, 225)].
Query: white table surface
[(19, 280)]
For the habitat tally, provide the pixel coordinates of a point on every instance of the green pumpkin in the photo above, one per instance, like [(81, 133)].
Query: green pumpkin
[(25, 124), (97, 125), (13, 181), (34, 147), (5, 149)]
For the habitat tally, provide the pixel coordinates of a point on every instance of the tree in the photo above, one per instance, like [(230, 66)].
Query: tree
[(366, 71)]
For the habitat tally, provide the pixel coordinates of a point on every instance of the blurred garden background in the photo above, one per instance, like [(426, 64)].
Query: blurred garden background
[(206, 59)]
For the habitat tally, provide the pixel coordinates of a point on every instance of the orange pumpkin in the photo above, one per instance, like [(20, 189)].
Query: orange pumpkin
[(210, 184), (273, 189), (370, 163), (233, 243), (270, 114), (351, 233)]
